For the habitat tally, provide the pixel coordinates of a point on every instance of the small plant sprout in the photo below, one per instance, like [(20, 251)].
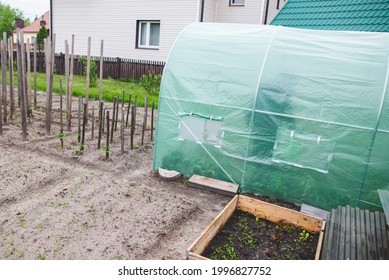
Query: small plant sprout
[(304, 235), (104, 149)]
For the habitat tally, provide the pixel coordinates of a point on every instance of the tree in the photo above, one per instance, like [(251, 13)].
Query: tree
[(7, 18), (41, 36)]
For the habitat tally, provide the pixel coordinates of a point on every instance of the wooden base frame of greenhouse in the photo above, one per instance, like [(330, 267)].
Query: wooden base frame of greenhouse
[(259, 209)]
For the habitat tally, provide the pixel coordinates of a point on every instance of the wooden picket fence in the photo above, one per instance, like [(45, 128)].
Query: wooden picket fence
[(115, 68)]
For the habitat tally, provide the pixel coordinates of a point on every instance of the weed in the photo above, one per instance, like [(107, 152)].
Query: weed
[(13, 252), (22, 223), (64, 204), (304, 235), (97, 174), (60, 136), (91, 209), (41, 256), (57, 248), (104, 149), (248, 234), (225, 252), (41, 224), (79, 149)]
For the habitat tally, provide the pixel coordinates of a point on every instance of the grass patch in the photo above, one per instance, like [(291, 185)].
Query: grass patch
[(111, 88)]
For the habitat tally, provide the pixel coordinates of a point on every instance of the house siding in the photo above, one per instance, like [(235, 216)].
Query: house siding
[(250, 13), (273, 11), (210, 10), (115, 23)]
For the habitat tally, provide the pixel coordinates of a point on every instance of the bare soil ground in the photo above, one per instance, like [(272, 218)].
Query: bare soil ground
[(56, 204)]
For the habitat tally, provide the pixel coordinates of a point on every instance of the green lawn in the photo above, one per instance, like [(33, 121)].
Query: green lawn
[(111, 88)]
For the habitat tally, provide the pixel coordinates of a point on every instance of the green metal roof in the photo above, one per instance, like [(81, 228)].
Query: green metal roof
[(354, 15)]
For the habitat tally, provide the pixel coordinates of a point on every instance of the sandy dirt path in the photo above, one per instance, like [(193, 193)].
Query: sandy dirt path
[(57, 204)]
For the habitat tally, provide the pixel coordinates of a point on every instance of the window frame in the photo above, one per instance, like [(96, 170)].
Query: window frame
[(199, 134), (139, 34), (232, 4)]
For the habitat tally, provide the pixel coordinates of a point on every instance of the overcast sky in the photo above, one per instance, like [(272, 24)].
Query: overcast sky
[(30, 8)]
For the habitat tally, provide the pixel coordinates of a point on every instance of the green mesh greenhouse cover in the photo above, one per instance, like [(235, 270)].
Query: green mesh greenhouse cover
[(296, 114)]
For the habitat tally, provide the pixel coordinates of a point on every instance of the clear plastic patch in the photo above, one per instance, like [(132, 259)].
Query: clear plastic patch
[(303, 150), (201, 130)]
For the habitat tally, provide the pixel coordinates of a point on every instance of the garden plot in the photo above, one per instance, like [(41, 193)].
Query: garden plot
[(58, 204)]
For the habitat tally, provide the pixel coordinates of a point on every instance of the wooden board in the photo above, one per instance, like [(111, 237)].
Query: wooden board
[(354, 234), (320, 242), (313, 211), (276, 214), (384, 198), (210, 184), (198, 246)]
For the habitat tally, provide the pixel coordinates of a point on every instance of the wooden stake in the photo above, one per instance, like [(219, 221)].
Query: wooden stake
[(69, 116), (21, 81), (67, 75), (93, 121), (79, 120), (144, 118), (60, 113), (52, 76), (107, 147), (11, 78), (115, 100), (88, 73), (4, 87), (133, 119), (4, 75), (28, 92), (128, 109), (48, 65), (122, 131), (101, 122), (101, 72), (136, 103), (35, 66), (103, 129), (50, 51), (132, 127), (152, 121), (83, 129), (117, 115), (123, 99)]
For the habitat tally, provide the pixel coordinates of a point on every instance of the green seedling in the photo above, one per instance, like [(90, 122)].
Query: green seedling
[(304, 235)]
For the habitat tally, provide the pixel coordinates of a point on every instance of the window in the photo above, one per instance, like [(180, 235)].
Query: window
[(303, 150), (148, 34), (237, 2), (201, 129)]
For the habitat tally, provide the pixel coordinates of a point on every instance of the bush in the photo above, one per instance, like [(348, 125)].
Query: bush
[(151, 83), (93, 70)]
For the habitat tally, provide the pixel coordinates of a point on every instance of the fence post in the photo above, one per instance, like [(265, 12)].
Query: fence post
[(61, 64), (119, 63)]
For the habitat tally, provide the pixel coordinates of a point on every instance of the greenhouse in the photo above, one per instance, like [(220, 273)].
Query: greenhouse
[(301, 115)]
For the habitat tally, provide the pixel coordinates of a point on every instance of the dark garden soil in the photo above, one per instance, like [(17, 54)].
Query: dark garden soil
[(246, 237)]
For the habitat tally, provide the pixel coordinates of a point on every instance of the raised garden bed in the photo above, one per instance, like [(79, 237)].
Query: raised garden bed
[(248, 228)]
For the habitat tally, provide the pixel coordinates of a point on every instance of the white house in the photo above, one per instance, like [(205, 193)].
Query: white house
[(145, 29)]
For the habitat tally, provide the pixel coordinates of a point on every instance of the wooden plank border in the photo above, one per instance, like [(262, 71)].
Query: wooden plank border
[(201, 243), (261, 209), (276, 214)]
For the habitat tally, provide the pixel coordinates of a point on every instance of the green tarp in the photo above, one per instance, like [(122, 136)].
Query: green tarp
[(296, 114)]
